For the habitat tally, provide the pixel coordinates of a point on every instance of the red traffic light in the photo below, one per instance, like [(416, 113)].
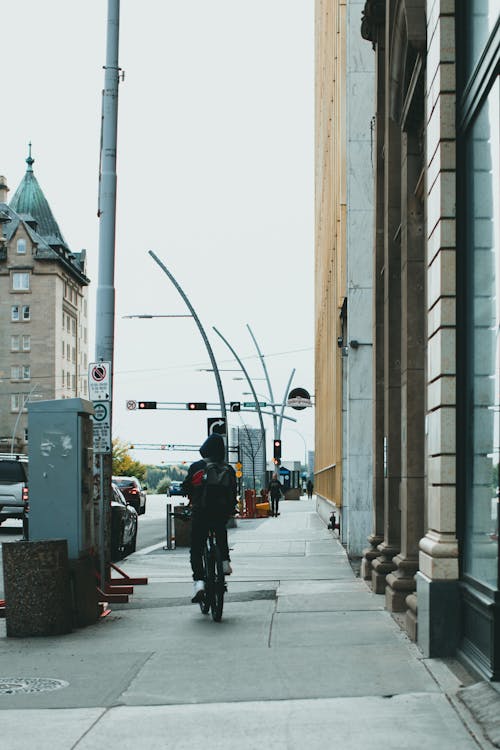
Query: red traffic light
[(197, 406), (147, 404), (277, 449)]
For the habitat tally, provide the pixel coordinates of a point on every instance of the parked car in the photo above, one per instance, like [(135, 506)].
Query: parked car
[(175, 489), (123, 526), (13, 486), (133, 492)]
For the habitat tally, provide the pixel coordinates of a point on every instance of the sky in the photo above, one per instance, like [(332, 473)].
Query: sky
[(215, 175)]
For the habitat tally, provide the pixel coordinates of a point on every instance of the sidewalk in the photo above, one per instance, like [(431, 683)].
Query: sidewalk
[(305, 656)]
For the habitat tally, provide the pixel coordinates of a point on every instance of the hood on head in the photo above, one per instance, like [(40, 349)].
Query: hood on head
[(214, 448)]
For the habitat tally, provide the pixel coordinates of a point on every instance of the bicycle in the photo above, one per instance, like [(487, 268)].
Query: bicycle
[(213, 573)]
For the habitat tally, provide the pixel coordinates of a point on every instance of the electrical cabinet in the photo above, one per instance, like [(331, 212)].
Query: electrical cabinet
[(61, 473)]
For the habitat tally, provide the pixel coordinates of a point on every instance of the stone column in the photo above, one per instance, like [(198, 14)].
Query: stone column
[(390, 546), (437, 579), (401, 582), (377, 535)]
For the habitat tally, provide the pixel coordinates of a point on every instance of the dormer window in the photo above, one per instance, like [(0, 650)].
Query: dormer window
[(21, 247)]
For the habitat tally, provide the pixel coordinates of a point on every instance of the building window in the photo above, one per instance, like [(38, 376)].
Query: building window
[(21, 281), (63, 348), (73, 382), (62, 379), (26, 343), (26, 312), (15, 402), (73, 354), (483, 178), (15, 343), (15, 372), (26, 372), (21, 247), (73, 326), (68, 380), (68, 352), (14, 312), (68, 324)]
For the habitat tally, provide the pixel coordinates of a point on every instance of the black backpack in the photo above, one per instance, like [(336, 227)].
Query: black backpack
[(217, 486)]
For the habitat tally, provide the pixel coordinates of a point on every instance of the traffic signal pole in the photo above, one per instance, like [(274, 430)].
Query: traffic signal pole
[(201, 330)]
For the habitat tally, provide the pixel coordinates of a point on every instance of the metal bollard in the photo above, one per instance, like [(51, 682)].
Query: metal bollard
[(169, 527)]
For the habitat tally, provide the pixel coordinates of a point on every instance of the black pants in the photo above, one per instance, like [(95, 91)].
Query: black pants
[(201, 523), (275, 501)]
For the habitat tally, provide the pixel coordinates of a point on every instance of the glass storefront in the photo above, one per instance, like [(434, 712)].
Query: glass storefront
[(482, 209)]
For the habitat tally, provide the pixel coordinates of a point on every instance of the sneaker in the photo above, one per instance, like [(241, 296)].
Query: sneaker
[(199, 590), (226, 567)]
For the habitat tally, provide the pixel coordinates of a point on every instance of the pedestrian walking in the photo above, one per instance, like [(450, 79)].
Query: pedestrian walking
[(310, 488), (275, 490)]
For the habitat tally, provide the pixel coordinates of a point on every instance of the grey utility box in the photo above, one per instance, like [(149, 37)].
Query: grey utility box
[(61, 473)]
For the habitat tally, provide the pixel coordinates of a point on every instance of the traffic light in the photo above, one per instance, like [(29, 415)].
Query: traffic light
[(197, 406), (235, 406), (277, 449), (147, 404)]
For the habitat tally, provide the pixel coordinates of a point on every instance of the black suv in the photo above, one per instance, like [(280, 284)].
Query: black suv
[(13, 486)]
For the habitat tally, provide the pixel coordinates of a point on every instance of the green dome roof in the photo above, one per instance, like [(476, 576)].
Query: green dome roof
[(30, 200)]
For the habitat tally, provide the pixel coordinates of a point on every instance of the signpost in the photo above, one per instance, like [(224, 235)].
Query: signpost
[(100, 381)]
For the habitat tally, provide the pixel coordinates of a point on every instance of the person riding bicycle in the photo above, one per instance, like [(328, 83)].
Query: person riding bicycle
[(211, 508)]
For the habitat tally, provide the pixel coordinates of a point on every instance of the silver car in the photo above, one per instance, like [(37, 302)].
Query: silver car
[(13, 486)]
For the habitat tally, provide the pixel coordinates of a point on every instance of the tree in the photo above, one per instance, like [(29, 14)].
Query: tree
[(123, 463)]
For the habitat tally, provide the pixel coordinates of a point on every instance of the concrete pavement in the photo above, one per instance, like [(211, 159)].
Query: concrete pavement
[(305, 656)]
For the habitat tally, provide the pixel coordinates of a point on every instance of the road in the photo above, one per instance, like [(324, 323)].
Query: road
[(152, 527)]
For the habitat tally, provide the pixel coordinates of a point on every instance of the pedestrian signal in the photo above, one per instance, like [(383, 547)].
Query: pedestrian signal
[(277, 449), (147, 404), (197, 406)]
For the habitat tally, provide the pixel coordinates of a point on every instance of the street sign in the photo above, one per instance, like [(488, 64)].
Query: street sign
[(99, 381), (253, 404), (299, 398), (102, 427), (131, 405), (216, 426)]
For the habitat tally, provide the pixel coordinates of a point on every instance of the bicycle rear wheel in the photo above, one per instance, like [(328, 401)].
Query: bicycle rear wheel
[(205, 600), (219, 584)]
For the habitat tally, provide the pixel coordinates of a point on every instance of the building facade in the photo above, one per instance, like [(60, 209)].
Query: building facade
[(251, 444), (433, 546), (344, 273), (43, 310)]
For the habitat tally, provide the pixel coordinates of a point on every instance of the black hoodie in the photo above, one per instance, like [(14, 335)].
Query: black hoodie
[(213, 449)]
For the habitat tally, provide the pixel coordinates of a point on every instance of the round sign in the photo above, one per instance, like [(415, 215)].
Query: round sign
[(301, 398), (100, 412), (99, 373), (131, 405)]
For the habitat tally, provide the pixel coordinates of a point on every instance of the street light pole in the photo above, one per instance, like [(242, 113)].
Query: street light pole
[(261, 357), (201, 330), (245, 373)]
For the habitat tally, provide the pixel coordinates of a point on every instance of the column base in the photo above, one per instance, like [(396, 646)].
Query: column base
[(369, 555), (438, 616), (382, 566), (400, 584), (411, 617)]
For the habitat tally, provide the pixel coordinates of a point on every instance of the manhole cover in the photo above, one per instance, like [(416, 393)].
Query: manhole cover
[(9, 685)]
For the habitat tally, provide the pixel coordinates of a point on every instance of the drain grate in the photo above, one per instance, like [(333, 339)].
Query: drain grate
[(10, 685)]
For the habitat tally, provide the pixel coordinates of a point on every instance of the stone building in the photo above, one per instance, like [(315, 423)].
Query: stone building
[(433, 548), (344, 272), (43, 310)]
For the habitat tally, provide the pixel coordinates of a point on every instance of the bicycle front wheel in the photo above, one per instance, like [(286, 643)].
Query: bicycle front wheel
[(205, 601), (219, 584)]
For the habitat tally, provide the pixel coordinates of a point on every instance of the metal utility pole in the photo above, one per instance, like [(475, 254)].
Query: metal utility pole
[(105, 307), (245, 373), (261, 357), (201, 330), (105, 318)]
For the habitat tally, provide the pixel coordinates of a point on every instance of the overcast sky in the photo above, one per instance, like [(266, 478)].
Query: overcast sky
[(215, 175)]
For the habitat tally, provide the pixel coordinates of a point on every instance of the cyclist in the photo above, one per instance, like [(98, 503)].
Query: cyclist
[(209, 512)]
